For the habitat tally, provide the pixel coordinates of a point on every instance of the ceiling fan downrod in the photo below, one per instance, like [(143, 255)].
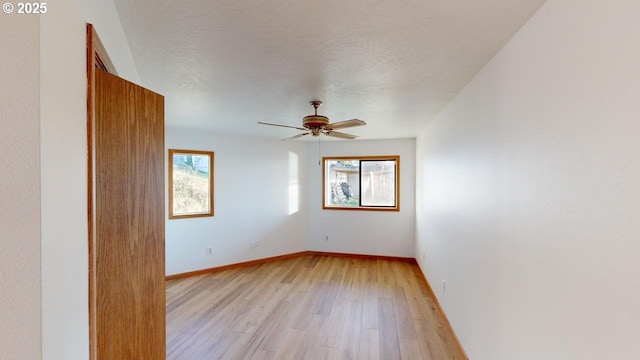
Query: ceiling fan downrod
[(315, 104)]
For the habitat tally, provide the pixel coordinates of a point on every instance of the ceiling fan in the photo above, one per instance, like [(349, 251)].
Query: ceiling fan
[(318, 124)]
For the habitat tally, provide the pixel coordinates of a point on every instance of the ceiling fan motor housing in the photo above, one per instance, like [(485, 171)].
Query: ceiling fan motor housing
[(314, 121)]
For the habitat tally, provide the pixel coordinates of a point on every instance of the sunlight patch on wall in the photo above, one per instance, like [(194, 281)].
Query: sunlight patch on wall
[(294, 185)]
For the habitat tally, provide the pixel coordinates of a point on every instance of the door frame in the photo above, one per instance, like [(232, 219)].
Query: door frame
[(97, 57)]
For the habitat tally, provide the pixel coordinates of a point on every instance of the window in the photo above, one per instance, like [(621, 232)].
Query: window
[(361, 183), (190, 183)]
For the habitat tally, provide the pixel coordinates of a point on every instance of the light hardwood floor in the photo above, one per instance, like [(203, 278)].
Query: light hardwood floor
[(308, 307)]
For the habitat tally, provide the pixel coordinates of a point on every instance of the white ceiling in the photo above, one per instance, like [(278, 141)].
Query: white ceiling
[(223, 65)]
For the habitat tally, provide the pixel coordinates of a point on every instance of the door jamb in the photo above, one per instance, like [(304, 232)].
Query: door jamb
[(97, 57)]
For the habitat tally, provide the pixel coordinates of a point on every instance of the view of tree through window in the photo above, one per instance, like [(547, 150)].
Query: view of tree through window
[(369, 183), (190, 183)]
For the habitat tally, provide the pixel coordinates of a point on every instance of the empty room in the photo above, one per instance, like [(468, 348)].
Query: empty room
[(320, 180)]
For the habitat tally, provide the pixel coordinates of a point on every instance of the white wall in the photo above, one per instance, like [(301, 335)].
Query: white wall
[(254, 178), (529, 191), (260, 195), (363, 232), (20, 278), (63, 166)]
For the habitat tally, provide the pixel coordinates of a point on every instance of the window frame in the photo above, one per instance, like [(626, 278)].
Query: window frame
[(211, 156), (395, 158)]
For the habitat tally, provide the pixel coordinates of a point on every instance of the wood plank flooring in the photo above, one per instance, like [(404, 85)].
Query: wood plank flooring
[(309, 307)]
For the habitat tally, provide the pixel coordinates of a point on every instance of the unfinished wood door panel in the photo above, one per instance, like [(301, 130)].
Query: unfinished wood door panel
[(129, 220)]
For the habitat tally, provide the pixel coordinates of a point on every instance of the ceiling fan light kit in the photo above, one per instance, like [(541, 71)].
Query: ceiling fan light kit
[(319, 124)]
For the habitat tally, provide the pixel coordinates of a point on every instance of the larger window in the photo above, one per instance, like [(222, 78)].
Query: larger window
[(361, 183)]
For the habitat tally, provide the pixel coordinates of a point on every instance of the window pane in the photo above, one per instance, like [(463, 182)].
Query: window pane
[(191, 179), (378, 181), (343, 180), (361, 183)]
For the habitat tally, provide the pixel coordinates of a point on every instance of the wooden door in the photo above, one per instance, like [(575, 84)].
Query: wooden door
[(129, 262)]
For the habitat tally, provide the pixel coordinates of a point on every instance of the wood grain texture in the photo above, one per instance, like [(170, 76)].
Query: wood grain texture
[(313, 306), (97, 58), (371, 275), (444, 325), (129, 225)]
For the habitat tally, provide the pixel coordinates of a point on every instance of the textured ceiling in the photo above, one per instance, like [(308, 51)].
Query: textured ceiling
[(224, 65)]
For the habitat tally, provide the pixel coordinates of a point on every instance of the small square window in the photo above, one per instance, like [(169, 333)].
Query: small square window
[(190, 183)]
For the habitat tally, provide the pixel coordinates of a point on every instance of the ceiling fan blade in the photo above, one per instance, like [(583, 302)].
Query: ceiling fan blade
[(286, 126), (339, 135), (345, 124), (296, 136)]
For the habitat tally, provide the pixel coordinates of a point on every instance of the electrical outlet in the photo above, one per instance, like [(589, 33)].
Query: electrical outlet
[(326, 238), (209, 251), (444, 285)]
